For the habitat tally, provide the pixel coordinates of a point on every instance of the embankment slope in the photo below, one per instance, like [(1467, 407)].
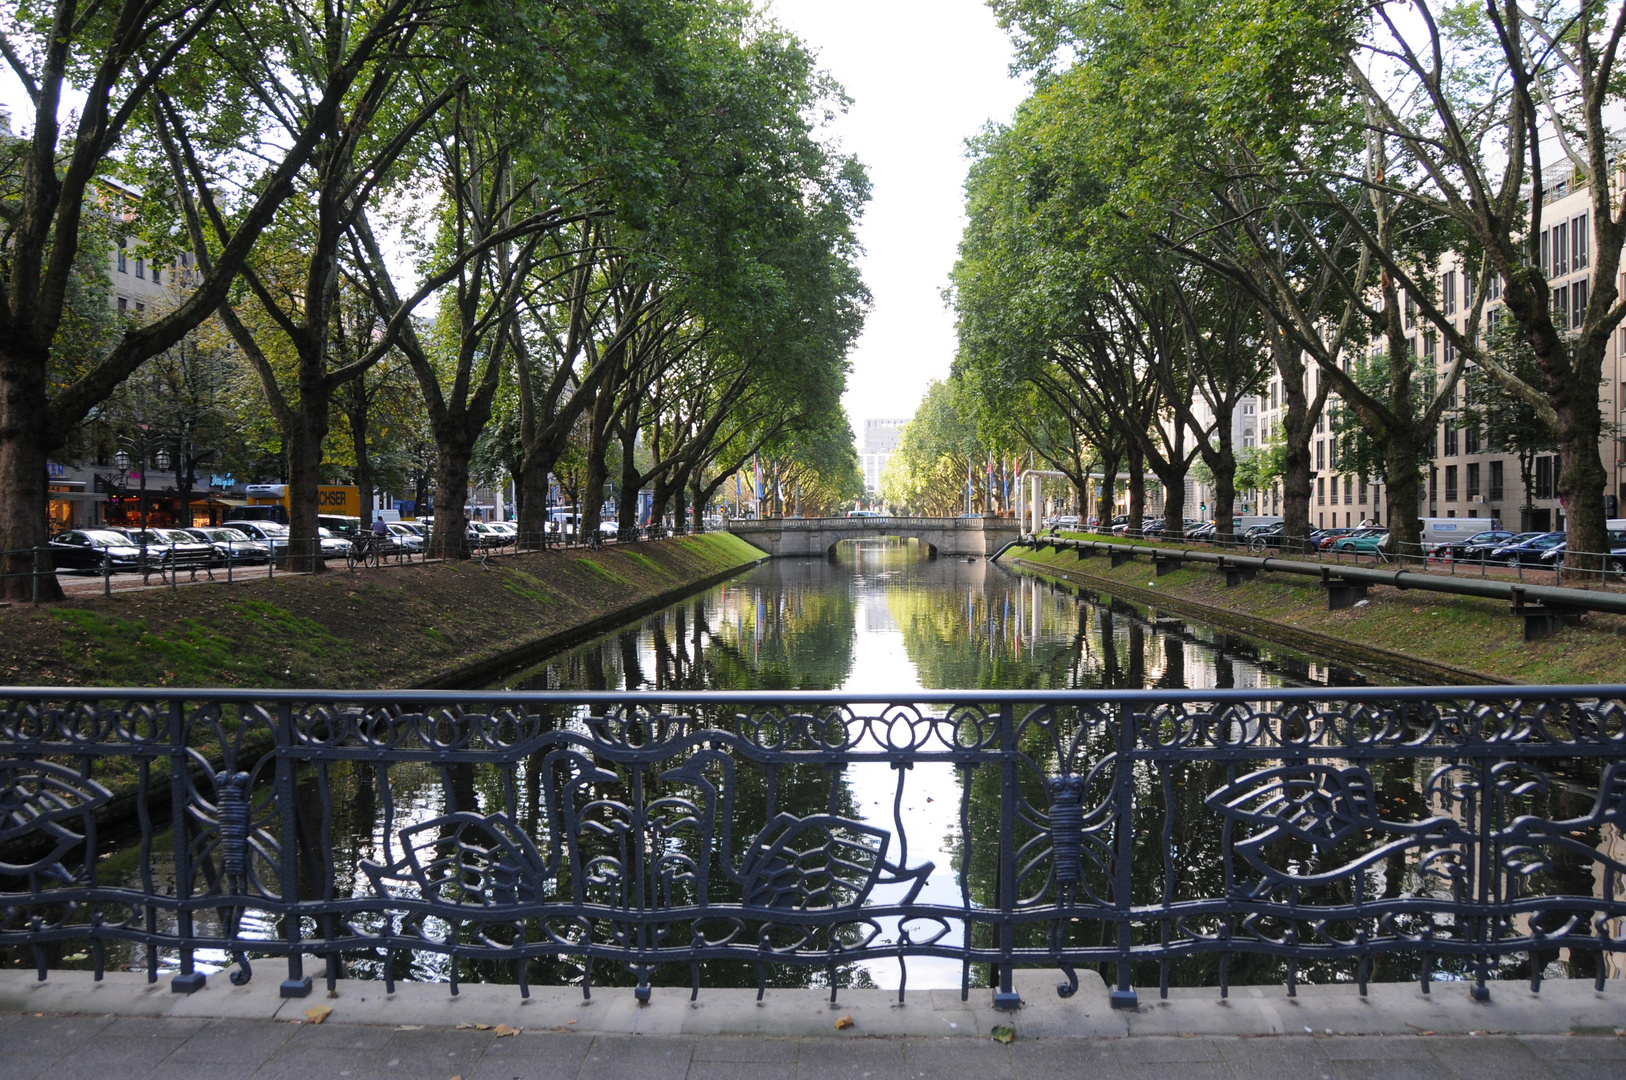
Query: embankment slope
[(442, 624)]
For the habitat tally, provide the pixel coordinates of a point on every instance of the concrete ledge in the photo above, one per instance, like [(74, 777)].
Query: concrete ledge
[(1561, 1008)]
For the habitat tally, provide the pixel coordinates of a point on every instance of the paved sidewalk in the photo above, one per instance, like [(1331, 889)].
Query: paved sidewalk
[(175, 1048), (72, 1028)]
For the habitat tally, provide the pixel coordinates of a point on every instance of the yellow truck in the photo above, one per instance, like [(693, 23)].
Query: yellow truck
[(338, 499)]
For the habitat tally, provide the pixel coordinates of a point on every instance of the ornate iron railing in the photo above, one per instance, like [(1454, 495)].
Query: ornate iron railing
[(1193, 836)]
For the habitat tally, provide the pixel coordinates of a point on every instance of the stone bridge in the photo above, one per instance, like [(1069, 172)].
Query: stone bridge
[(972, 535)]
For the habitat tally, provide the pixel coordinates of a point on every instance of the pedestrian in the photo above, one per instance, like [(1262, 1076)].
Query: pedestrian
[(380, 528)]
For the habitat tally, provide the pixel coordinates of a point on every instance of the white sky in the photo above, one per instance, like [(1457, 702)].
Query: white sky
[(923, 75)]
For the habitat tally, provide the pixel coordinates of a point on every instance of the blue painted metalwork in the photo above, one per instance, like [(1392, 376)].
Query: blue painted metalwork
[(652, 831)]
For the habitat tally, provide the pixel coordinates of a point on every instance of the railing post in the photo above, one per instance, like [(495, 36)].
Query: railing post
[(1004, 996), (1124, 996), (297, 984), (190, 980), (36, 577)]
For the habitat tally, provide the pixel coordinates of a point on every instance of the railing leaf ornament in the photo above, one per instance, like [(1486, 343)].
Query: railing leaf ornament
[(463, 860), (39, 802)]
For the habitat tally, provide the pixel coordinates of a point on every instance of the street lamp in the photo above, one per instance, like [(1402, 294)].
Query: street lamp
[(138, 448)]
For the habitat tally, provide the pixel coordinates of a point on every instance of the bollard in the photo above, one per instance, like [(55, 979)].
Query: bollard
[(36, 577), (174, 567), (107, 575)]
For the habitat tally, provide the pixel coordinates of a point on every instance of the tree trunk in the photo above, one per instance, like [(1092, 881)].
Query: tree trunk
[(357, 410), (304, 445), (1174, 501), (626, 519), (1224, 469), (450, 539), (598, 444), (1137, 489), (24, 490), (1580, 484), (697, 500), (1401, 491), (1105, 492), (1296, 424)]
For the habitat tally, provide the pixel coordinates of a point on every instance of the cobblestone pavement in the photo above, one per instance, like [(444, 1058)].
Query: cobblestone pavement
[(173, 1048)]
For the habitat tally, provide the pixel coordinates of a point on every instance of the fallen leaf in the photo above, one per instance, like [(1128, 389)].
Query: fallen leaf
[(572, 1022), (1425, 1033), (1002, 1034), (504, 1030), (318, 1014), (846, 1021), (481, 1027), (408, 1027)]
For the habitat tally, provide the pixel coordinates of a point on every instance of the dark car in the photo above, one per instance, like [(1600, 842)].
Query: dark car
[(1527, 552), (1617, 552), (173, 547), (232, 546), (1474, 548), (94, 550), (1326, 538)]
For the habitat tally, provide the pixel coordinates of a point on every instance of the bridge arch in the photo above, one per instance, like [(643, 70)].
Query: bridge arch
[(818, 537), (879, 534)]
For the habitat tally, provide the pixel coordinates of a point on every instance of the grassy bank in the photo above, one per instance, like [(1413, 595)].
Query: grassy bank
[(400, 626), (1445, 638)]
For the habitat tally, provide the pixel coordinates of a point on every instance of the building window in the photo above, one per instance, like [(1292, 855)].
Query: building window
[(1450, 483), (1546, 260), (1493, 289), (1495, 481), (1544, 477), (1363, 493), (1561, 250), (1470, 440), (1473, 481), (1450, 441), (1321, 454), (1332, 483), (1321, 491), (1433, 485), (1578, 293), (123, 263), (1561, 307), (1448, 292), (141, 266), (1349, 491), (124, 305), (1580, 242)]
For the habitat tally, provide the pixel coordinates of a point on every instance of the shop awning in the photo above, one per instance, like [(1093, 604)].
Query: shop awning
[(78, 496), (221, 501)]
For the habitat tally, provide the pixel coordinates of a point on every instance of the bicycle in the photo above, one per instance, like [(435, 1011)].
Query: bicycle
[(367, 549)]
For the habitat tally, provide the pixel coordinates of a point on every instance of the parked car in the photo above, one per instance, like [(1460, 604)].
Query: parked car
[(232, 546), (1362, 542), (1617, 552), (864, 514), (1474, 547), (1527, 552), (95, 550), (406, 538), (1326, 538), (333, 547), (273, 534), (174, 547), (483, 535)]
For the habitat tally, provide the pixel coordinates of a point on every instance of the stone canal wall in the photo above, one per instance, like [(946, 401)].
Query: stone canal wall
[(1424, 638)]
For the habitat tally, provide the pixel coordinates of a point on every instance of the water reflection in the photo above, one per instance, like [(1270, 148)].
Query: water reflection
[(884, 617)]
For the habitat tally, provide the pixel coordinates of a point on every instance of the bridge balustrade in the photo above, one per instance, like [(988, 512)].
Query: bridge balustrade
[(1199, 837)]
